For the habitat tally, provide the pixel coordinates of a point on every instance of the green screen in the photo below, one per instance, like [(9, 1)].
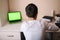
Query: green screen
[(14, 16)]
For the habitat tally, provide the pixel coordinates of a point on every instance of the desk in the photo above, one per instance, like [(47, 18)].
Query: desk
[(53, 35), (10, 32), (53, 31)]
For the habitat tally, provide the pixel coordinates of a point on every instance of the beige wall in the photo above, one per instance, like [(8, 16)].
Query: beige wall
[(44, 6), (3, 11), (0, 13), (59, 5)]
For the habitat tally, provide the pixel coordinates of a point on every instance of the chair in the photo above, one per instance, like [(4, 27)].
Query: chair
[(22, 36)]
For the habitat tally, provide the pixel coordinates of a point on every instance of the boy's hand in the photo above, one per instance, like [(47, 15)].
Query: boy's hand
[(53, 27)]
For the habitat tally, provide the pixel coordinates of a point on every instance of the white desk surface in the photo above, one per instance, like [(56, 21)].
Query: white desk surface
[(11, 27)]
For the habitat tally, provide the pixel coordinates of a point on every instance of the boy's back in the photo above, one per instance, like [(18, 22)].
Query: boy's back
[(33, 30)]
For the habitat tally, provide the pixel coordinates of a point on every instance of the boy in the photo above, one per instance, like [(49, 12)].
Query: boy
[(34, 29)]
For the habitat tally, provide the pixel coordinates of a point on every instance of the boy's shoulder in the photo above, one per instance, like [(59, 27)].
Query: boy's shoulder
[(34, 21), (41, 20)]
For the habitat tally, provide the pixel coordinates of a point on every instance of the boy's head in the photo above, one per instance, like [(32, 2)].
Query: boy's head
[(31, 11)]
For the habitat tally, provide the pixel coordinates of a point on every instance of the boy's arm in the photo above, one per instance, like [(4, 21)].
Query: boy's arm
[(51, 26)]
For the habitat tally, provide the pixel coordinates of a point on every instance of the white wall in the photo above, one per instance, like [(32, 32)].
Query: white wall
[(3, 11), (44, 6)]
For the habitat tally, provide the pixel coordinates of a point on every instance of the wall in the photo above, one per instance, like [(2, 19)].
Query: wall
[(3, 11), (0, 22), (59, 5), (0, 13), (45, 7)]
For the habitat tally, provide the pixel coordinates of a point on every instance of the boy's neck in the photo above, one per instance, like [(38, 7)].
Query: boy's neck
[(30, 19)]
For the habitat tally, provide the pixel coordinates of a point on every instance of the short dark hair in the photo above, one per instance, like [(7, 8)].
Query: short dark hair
[(31, 10)]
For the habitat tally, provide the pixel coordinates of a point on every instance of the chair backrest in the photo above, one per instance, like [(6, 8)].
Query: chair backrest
[(22, 36)]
